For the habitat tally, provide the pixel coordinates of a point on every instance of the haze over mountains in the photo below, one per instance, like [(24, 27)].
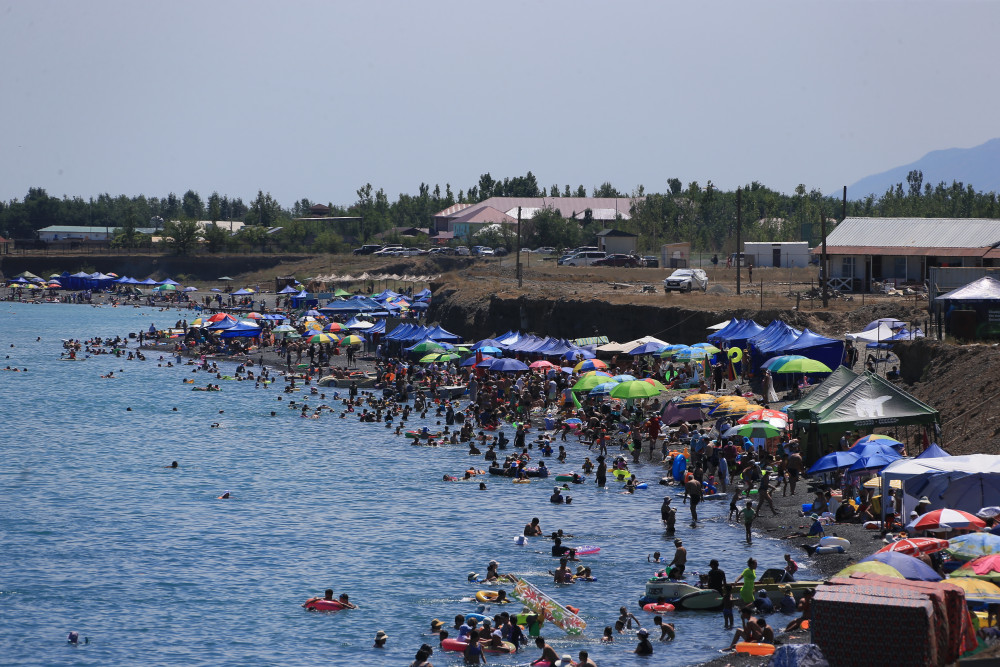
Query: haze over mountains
[(978, 166)]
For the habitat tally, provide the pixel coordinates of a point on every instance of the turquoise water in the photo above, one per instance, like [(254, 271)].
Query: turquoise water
[(97, 536)]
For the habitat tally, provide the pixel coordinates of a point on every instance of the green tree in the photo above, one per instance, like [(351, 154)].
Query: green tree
[(192, 206), (215, 207), (182, 236), (254, 236), (216, 238)]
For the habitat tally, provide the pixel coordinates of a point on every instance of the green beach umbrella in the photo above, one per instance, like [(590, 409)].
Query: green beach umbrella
[(352, 340), (438, 357), (341, 292), (801, 366), (656, 383), (634, 389), (322, 338), (755, 430), (427, 346), (589, 382), (708, 347)]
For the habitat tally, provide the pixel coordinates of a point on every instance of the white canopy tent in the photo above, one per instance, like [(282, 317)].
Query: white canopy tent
[(623, 348), (720, 326), (904, 469), (878, 334)]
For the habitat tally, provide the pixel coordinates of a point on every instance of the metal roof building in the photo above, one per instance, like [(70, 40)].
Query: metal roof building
[(897, 250), (601, 208)]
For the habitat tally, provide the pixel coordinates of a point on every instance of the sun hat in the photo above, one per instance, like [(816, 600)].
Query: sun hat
[(643, 632), (381, 635), (564, 661), (436, 624), (925, 499)]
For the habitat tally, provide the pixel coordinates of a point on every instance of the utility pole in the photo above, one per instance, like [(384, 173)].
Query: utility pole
[(823, 262), (739, 229), (520, 279)]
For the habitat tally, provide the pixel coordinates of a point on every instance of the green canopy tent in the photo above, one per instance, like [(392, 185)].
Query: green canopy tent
[(799, 411), (866, 402)]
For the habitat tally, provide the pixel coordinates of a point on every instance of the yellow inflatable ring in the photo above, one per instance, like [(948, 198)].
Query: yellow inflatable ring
[(486, 596), (735, 354)]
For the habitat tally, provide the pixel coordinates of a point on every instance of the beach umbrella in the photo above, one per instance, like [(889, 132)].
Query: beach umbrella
[(947, 519), (871, 567), (218, 316), (801, 366), (880, 439), (254, 315), (624, 377), (646, 348), (590, 365), (691, 354), (988, 512), (224, 278), (333, 327), (166, 287), (284, 328), (168, 281), (916, 546), (603, 388), (873, 462), (489, 349), (352, 340), (984, 567), (753, 430), (634, 389), (772, 417), (437, 357), (589, 382), (190, 288), (719, 400), (471, 361), (541, 364), (978, 590), (578, 354), (873, 448), (781, 359), (322, 338), (508, 365), (910, 567), (426, 346), (653, 381), (669, 350), (708, 347), (600, 374), (833, 461), (973, 546)]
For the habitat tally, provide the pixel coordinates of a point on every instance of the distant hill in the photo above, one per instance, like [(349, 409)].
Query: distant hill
[(978, 167)]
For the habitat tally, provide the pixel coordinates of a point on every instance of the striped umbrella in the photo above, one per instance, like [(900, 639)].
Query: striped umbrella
[(590, 365), (916, 546), (352, 340), (322, 338)]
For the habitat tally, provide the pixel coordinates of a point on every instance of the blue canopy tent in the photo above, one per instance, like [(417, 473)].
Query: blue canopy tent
[(933, 452), (829, 351), (241, 330)]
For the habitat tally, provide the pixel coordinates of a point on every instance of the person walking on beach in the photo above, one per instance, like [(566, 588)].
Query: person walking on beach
[(748, 577), (748, 517)]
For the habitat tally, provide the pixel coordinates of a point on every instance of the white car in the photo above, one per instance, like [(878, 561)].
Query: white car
[(389, 250), (685, 280), (584, 258)]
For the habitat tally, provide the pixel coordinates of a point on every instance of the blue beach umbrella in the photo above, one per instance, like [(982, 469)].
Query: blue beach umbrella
[(508, 365), (833, 461), (908, 566), (873, 462)]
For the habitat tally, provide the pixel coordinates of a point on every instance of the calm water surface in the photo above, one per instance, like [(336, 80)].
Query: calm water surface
[(96, 535)]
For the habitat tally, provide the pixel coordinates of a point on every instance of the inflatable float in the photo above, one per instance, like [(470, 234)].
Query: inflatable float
[(834, 541), (753, 648), (541, 604), (322, 604), (451, 644), (488, 596), (587, 550), (658, 606)]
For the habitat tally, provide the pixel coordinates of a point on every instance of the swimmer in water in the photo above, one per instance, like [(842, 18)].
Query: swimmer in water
[(224, 496)]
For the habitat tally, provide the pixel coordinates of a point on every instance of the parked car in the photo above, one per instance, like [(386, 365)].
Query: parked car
[(462, 250), (546, 250), (619, 260), (389, 250), (651, 261), (685, 280), (367, 249), (584, 258), (500, 251), (481, 250)]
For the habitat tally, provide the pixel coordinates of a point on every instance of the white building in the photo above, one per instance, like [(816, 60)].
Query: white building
[(785, 255)]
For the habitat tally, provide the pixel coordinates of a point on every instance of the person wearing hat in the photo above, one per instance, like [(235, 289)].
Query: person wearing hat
[(436, 626), (923, 506), (645, 647), (787, 604), (763, 603), (491, 570), (556, 496), (380, 638)]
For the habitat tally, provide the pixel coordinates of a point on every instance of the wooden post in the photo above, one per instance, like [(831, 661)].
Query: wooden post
[(739, 226), (823, 262), (520, 280)]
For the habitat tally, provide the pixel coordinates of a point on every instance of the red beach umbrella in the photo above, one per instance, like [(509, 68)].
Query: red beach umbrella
[(916, 546)]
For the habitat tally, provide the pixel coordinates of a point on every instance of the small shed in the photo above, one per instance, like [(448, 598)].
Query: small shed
[(972, 311), (615, 241), (784, 254)]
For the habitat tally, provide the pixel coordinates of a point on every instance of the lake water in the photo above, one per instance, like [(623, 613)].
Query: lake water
[(97, 536)]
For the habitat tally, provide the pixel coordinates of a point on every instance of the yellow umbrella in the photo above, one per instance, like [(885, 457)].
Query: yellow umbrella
[(876, 483), (730, 399), (978, 590), (873, 567)]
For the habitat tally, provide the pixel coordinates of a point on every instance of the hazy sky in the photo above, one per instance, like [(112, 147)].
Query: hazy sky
[(314, 99)]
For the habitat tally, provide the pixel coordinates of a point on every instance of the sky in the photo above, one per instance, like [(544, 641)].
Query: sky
[(315, 99)]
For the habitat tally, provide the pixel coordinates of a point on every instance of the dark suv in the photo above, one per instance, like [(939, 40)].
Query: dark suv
[(619, 260), (367, 249)]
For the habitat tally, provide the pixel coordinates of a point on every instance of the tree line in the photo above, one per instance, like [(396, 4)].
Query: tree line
[(702, 215)]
